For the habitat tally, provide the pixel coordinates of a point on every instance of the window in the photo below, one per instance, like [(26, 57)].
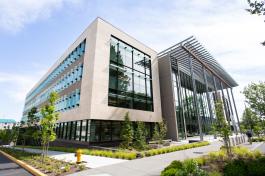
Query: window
[(95, 131), (83, 131), (78, 128), (116, 130), (130, 80), (73, 130), (106, 131)]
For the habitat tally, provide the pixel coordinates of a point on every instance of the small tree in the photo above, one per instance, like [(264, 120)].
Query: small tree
[(250, 120), (156, 134), (31, 125), (32, 118), (47, 124), (140, 137), (221, 126), (126, 132), (255, 97), (162, 130), (14, 134)]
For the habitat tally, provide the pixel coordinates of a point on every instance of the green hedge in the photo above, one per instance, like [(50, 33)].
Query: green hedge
[(124, 154), (174, 148)]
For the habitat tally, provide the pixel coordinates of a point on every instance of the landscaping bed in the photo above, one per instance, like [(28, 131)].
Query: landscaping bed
[(49, 166), (126, 154), (243, 162)]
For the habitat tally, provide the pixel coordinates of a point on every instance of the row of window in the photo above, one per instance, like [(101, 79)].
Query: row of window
[(94, 130), (128, 56), (71, 58), (64, 82), (69, 101), (130, 85)]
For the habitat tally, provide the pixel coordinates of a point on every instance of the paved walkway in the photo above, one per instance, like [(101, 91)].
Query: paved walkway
[(149, 166), (90, 161), (9, 168)]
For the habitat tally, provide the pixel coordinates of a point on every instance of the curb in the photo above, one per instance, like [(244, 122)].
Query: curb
[(24, 165)]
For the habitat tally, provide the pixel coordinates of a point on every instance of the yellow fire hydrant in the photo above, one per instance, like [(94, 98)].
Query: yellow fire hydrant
[(78, 156)]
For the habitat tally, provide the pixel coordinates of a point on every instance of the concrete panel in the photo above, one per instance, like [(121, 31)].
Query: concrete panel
[(167, 97), (99, 101)]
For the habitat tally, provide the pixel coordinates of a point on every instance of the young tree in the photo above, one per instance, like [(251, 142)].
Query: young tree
[(14, 134), (255, 97), (47, 124), (221, 126), (126, 132), (140, 137), (31, 125), (249, 120), (32, 118), (155, 136), (162, 130)]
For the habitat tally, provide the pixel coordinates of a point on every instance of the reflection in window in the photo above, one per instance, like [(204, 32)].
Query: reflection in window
[(130, 80), (78, 128)]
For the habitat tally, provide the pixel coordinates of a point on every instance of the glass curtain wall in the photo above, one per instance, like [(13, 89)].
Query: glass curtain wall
[(130, 78), (195, 101)]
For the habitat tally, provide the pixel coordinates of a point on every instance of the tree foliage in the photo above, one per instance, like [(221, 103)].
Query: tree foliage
[(255, 97), (160, 131), (140, 136), (250, 121), (32, 118), (46, 132), (256, 7), (126, 132)]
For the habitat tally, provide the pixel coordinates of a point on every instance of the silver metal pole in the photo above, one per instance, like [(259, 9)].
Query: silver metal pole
[(235, 109), (207, 95)]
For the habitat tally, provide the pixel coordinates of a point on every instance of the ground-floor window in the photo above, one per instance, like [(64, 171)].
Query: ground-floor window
[(95, 130)]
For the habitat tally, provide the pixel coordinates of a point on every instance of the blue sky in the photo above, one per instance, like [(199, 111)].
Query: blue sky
[(34, 33)]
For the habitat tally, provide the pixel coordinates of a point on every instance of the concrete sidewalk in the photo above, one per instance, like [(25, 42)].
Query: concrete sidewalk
[(90, 161), (149, 166)]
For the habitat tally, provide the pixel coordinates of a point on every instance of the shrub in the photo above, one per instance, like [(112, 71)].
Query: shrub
[(82, 167), (236, 168), (257, 167), (169, 172), (174, 148), (172, 168), (67, 168), (188, 167)]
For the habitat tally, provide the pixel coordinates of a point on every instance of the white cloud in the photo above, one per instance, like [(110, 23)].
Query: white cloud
[(14, 88), (224, 27), (15, 14)]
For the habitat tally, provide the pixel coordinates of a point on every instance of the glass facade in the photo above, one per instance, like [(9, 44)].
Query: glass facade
[(130, 78), (69, 72), (195, 96), (94, 130)]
